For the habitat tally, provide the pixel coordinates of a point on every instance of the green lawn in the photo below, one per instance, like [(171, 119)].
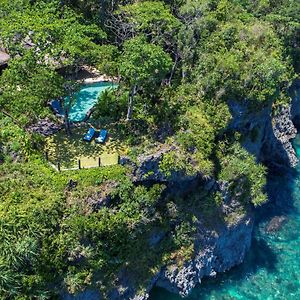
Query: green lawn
[(68, 150)]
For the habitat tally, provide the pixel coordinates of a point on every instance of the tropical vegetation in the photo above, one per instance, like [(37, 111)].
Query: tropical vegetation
[(181, 65)]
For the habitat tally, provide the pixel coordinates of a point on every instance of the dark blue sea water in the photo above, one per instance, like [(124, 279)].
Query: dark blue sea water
[(271, 269)]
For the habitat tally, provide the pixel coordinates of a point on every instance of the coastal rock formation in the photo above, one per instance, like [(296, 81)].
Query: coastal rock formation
[(295, 107), (267, 137), (217, 248), (223, 245), (275, 224), (216, 252), (279, 151)]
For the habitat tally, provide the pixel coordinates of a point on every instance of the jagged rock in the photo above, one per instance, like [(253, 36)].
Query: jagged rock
[(102, 197), (164, 131), (267, 138), (216, 252), (295, 107), (45, 127), (125, 160), (148, 164), (148, 169), (284, 130), (223, 187)]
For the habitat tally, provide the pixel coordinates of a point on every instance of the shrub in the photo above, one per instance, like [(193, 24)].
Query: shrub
[(244, 174)]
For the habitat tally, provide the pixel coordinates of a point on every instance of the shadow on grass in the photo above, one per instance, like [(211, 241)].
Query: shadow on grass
[(67, 150)]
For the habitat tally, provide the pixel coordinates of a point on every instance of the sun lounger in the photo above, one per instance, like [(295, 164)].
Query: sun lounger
[(56, 106), (102, 136), (90, 134)]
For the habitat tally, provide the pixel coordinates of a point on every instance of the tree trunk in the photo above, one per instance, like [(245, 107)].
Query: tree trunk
[(15, 121), (173, 70), (77, 69), (67, 122), (130, 102)]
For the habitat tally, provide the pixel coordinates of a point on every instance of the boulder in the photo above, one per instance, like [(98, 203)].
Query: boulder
[(102, 197), (45, 127), (275, 224)]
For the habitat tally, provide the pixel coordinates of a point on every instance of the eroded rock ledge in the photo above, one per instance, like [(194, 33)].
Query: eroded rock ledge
[(267, 137), (219, 245), (279, 151), (216, 252)]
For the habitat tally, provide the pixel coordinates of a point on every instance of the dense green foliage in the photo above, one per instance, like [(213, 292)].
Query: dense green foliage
[(31, 84), (239, 168), (181, 65)]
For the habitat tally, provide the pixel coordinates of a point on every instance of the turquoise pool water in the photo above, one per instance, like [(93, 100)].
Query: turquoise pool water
[(271, 269), (86, 98)]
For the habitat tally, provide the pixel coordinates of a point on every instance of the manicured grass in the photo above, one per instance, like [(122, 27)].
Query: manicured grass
[(67, 150)]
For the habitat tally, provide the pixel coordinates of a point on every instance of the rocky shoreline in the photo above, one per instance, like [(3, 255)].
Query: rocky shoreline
[(217, 249), (215, 253)]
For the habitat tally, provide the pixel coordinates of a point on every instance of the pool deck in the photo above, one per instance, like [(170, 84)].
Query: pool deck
[(90, 74), (100, 78)]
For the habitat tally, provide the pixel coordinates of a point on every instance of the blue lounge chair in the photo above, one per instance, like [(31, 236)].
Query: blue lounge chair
[(102, 136), (56, 106), (90, 134)]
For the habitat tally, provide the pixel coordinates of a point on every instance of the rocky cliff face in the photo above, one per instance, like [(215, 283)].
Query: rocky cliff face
[(295, 107), (277, 150), (215, 252), (269, 139), (265, 136), (218, 247)]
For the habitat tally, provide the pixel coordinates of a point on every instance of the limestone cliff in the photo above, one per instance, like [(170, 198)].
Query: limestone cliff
[(220, 244), (216, 251), (265, 136)]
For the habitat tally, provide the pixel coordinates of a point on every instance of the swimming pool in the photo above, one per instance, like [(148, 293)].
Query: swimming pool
[(86, 98)]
